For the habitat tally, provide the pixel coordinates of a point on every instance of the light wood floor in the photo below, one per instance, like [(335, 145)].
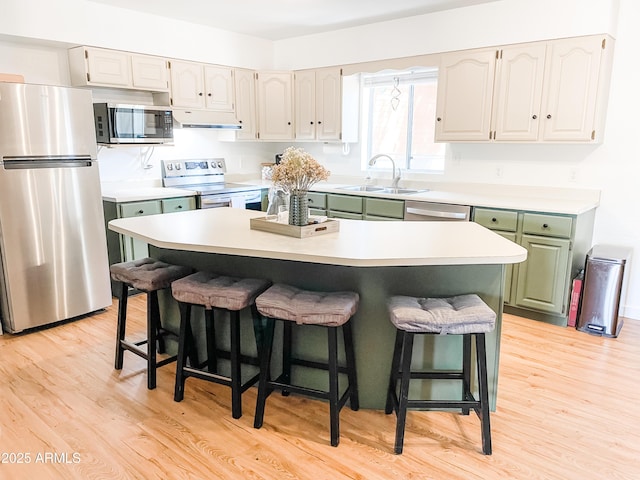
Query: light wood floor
[(567, 409)]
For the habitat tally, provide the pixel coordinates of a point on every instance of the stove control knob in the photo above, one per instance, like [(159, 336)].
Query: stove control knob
[(178, 167), (169, 166), (220, 165), (213, 164)]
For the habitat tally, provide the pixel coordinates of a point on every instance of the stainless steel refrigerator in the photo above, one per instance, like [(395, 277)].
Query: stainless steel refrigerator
[(53, 252)]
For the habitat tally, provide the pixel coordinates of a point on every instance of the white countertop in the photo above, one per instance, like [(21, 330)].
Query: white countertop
[(140, 190), (358, 243)]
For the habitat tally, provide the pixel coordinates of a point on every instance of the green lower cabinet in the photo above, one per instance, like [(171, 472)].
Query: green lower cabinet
[(542, 279), (508, 275), (345, 215), (132, 248)]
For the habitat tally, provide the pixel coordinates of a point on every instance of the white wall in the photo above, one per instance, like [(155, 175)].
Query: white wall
[(612, 167)]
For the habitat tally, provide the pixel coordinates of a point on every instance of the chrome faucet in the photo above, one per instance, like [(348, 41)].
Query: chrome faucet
[(395, 179)]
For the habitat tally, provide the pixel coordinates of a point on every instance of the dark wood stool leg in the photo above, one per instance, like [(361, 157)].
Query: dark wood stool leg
[(350, 358), (286, 354), (265, 371), (153, 319), (466, 370), (407, 351), (212, 360), (483, 392), (185, 326), (393, 377), (236, 372), (122, 324), (334, 408)]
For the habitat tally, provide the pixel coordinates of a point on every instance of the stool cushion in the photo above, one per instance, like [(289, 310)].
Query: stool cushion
[(218, 291), (454, 315), (304, 307), (148, 274)]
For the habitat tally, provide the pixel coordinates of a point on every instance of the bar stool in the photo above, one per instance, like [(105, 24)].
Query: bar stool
[(465, 315), (330, 310), (147, 275), (232, 295)]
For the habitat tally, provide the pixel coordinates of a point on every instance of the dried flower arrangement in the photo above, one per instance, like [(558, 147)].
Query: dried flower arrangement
[(298, 171)]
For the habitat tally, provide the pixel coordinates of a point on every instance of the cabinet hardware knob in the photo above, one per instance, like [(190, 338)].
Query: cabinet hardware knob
[(549, 116), (140, 212), (494, 219), (311, 123), (239, 121), (288, 123), (179, 207), (319, 122), (439, 119), (545, 225), (200, 94), (208, 94), (535, 117)]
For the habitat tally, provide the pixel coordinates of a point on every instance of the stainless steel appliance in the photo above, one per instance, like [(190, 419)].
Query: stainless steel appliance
[(53, 251), (436, 212), (602, 290), (206, 178), (122, 124)]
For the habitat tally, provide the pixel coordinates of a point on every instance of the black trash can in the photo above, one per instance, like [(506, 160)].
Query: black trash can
[(604, 279)]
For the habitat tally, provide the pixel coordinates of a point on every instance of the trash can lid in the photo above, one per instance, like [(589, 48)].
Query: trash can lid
[(612, 253)]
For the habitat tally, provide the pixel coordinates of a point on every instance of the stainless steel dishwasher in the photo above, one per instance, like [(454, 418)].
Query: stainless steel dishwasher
[(435, 212)]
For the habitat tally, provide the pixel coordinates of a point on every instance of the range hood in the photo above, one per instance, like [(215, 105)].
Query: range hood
[(205, 119)]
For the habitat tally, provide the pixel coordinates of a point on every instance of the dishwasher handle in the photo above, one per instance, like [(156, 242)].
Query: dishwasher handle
[(436, 213)]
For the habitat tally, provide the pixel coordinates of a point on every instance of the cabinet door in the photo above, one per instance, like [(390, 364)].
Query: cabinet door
[(219, 91), (305, 104), (275, 106), (508, 276), (187, 85), (149, 73), (245, 85), (518, 93), (328, 103), (108, 67), (542, 278), (571, 86), (132, 248), (465, 91)]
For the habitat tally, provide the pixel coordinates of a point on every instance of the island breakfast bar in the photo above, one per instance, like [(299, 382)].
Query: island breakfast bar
[(375, 259)]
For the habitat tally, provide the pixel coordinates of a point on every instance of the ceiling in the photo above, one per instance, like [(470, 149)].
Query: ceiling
[(280, 19)]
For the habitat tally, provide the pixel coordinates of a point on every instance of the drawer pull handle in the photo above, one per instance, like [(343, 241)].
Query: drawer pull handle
[(140, 212), (179, 207)]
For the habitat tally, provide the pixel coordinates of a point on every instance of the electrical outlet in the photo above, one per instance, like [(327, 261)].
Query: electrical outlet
[(573, 175), (498, 171)]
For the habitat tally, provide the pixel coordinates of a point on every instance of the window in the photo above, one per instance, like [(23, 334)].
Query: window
[(399, 120)]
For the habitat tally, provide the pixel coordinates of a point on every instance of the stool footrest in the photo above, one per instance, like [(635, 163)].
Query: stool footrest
[(317, 365), (278, 384), (217, 378)]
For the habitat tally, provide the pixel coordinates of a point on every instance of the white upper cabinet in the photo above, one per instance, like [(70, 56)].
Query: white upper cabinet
[(149, 73), (201, 86), (553, 91), (100, 67), (518, 92), (570, 100), (275, 106), (318, 104), (465, 90), (245, 85)]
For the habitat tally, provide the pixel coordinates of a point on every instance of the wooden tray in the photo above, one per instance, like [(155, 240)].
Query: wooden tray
[(312, 230)]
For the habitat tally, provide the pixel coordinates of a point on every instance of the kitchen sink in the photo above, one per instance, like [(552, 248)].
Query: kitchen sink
[(403, 191), (362, 188)]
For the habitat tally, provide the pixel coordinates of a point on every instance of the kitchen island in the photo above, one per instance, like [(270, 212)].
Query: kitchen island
[(375, 259)]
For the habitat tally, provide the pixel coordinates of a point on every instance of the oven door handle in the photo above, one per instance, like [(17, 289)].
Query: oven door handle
[(217, 202)]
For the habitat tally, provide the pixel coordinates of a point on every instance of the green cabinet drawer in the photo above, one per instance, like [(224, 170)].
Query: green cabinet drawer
[(140, 209), (347, 215), (345, 203), (505, 220), (182, 204), (548, 225), (317, 200), (382, 207)]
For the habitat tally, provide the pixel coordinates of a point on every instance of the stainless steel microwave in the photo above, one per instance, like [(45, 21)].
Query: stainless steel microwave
[(121, 124)]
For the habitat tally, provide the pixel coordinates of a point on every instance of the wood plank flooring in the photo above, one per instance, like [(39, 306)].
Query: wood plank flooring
[(567, 409)]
